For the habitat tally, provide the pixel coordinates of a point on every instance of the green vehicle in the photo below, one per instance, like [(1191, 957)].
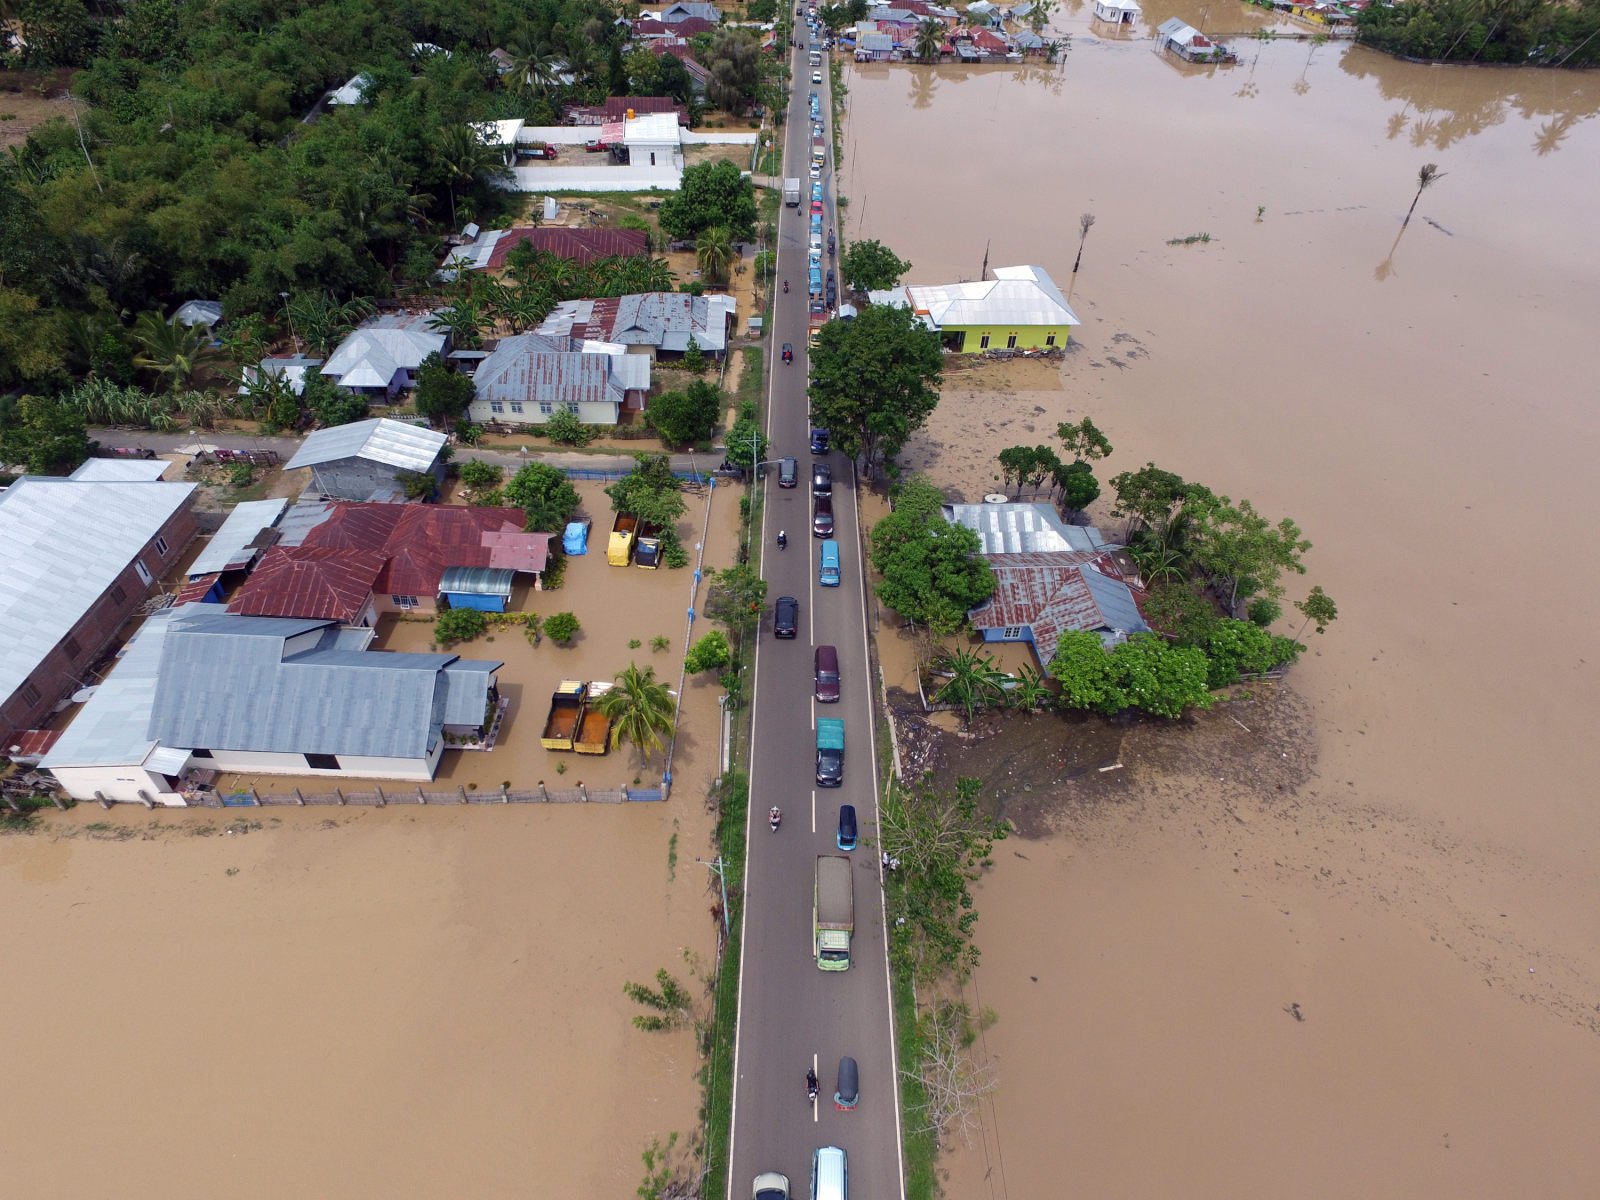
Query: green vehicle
[(833, 912), (830, 752)]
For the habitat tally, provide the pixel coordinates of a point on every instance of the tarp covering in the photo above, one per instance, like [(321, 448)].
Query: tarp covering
[(576, 538)]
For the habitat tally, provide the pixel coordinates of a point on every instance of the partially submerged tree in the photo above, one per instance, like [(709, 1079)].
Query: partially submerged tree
[(870, 265), (932, 571), (545, 495), (1426, 178), (641, 708)]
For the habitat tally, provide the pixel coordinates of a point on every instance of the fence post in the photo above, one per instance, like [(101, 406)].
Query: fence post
[(583, 791), (462, 788), (104, 803), (625, 795), (544, 794), (383, 801), (340, 794), (421, 799), (255, 797), (299, 799), (505, 796)]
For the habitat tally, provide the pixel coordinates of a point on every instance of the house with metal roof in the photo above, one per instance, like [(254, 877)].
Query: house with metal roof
[(380, 358), (355, 562), (364, 460), (244, 536), (289, 368), (686, 9), (121, 470), (490, 249), (1021, 308), (204, 313), (1189, 43), (528, 378), (80, 557), (1118, 12), (1023, 528), (202, 690), (1038, 596), (651, 322)]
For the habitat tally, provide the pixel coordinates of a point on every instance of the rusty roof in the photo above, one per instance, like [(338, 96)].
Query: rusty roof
[(311, 583), (1054, 593), (581, 246)]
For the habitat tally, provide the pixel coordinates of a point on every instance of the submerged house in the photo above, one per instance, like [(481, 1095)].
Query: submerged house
[(1021, 308), (1041, 595), (203, 690), (1189, 43), (1118, 12), (530, 377)]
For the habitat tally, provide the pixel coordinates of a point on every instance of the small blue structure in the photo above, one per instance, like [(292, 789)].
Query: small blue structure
[(575, 540), (487, 589)]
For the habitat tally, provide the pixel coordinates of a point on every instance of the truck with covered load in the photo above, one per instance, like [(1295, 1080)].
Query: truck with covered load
[(620, 548), (648, 553), (830, 752), (833, 912), (566, 711), (791, 193)]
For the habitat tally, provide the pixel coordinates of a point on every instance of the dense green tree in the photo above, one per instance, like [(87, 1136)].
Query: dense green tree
[(1076, 484), (736, 598), (45, 434), (32, 345), (745, 444), (733, 61), (561, 627), (1143, 673), (458, 625), (649, 492), (1318, 606), (330, 404), (545, 495), (476, 474), (932, 571), (1242, 552), (1083, 439), (875, 381), (1147, 497), (687, 417), (1177, 608), (871, 266), (1238, 648), (442, 395), (710, 653), (711, 194)]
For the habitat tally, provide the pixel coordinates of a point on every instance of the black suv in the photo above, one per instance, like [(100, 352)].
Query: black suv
[(786, 617), (821, 479)]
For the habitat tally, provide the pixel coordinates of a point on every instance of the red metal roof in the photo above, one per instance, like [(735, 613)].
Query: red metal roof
[(195, 590), (34, 743), (582, 246), (313, 582)]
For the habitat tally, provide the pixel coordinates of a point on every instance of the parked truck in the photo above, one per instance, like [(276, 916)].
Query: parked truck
[(593, 735), (830, 752), (620, 549), (648, 554), (791, 193), (566, 712), (833, 912)]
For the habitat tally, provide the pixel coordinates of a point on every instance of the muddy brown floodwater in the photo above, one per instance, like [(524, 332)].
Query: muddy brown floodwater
[(1402, 841)]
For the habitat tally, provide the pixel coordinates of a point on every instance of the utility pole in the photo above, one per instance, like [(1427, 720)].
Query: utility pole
[(716, 865)]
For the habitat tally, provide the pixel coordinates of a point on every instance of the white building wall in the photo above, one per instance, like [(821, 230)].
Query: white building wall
[(597, 413), (350, 766), (121, 784)]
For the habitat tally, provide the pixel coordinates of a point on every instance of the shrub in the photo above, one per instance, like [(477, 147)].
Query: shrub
[(475, 474), (561, 626), (458, 625), (710, 653), (564, 429)]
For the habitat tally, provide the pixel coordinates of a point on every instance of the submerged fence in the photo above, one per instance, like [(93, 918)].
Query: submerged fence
[(381, 798)]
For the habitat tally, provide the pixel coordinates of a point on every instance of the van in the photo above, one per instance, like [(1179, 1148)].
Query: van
[(830, 1174), (845, 838), (828, 564), (826, 669)]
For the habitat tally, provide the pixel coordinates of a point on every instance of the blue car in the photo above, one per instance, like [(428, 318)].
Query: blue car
[(845, 839)]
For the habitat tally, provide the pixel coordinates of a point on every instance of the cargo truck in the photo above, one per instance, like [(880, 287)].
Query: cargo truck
[(648, 554), (791, 193), (833, 912), (830, 752), (593, 734), (620, 549), (566, 711)]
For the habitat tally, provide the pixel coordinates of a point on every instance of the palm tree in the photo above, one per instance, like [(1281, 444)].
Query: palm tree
[(640, 708), (464, 321), (1426, 178), (974, 682), (534, 70), (929, 37), (320, 321), (649, 275), (172, 350), (1085, 223), (464, 159), (713, 254)]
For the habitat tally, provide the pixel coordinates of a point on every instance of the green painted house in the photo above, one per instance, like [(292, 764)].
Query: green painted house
[(1021, 308)]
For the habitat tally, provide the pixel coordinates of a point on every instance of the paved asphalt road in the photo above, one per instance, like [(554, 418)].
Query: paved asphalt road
[(792, 1015)]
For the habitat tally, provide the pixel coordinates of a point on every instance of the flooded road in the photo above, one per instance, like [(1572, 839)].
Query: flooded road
[(1419, 400)]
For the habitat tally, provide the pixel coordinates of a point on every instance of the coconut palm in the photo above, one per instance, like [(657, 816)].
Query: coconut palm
[(640, 708), (534, 70), (974, 682), (464, 321), (648, 275), (175, 352), (1426, 178), (320, 321), (713, 254), (929, 37), (464, 159)]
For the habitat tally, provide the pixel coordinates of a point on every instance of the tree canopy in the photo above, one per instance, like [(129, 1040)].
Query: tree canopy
[(686, 417), (932, 572), (1143, 672), (442, 395), (874, 381), (543, 493), (712, 195), (872, 266), (649, 492)]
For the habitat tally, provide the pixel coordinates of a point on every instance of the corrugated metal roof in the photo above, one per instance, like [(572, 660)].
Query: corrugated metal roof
[(121, 470), (226, 683), (465, 696), (665, 320), (394, 443), (63, 543), (112, 727), (533, 368), (1015, 296), (235, 544), (477, 581), (1054, 593), (384, 345), (1018, 528), (204, 313), (310, 582)]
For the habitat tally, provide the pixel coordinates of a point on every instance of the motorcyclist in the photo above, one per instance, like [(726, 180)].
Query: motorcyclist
[(783, 539), (785, 287), (811, 1083), (775, 816)]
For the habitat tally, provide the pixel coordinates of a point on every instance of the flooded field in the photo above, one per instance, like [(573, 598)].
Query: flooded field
[(1414, 397), (401, 1002)]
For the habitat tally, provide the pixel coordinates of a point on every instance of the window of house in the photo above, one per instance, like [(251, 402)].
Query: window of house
[(322, 762), (516, 406), (143, 573), (546, 407), (29, 693), (983, 342), (403, 601), (1012, 633), (496, 407), (161, 545), (573, 409), (200, 754), (1049, 339), (70, 645), (117, 594), (1011, 342)]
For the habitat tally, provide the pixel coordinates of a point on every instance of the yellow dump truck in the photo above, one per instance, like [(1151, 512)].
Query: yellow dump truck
[(620, 549), (594, 727), (566, 714)]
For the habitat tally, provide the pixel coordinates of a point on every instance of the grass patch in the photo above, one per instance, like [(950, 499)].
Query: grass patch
[(922, 1152), (1191, 240), (717, 1074), (672, 853), (750, 376)]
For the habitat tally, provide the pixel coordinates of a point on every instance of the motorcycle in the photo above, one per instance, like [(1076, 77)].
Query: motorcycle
[(811, 1086), (785, 287), (783, 540), (775, 819)]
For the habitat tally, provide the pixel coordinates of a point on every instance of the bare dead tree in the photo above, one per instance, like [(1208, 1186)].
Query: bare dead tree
[(1085, 223), (1426, 178), (952, 1083)]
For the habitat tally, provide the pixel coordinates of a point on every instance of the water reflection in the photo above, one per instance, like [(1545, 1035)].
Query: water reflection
[(1441, 106), (924, 86)]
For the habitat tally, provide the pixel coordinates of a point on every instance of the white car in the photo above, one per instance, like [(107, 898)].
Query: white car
[(770, 1185), (816, 77), (816, 170)]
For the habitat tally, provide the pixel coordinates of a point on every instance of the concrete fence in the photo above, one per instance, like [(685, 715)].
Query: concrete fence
[(381, 797)]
